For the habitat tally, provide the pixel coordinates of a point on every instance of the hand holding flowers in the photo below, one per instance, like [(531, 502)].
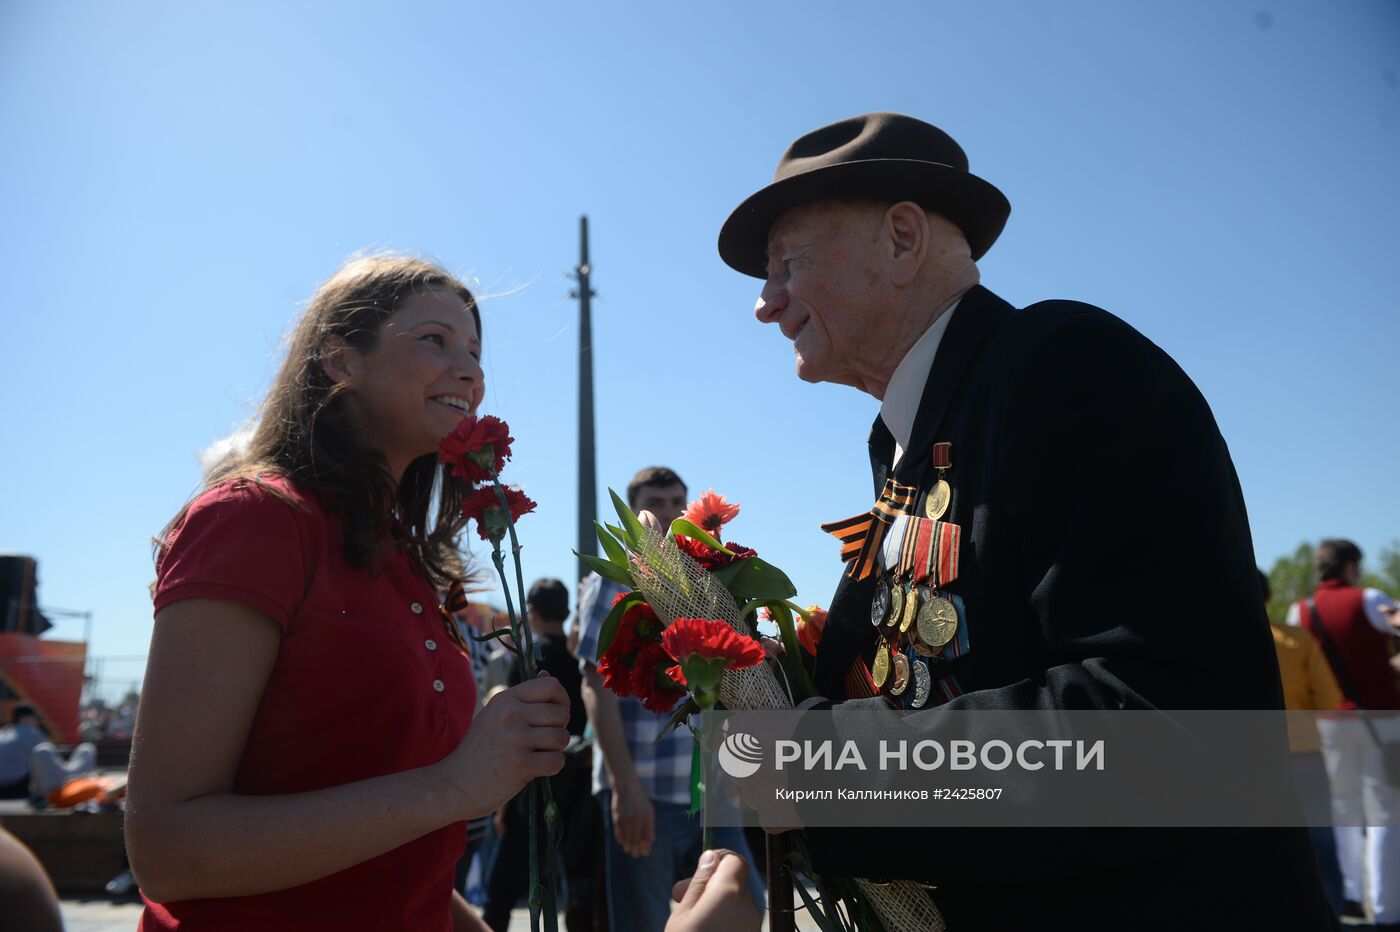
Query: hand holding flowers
[(476, 451)]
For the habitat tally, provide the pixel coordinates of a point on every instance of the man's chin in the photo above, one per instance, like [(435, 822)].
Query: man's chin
[(808, 371)]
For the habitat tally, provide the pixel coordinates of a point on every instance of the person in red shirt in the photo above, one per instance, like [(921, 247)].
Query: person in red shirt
[(304, 755), (1354, 626)]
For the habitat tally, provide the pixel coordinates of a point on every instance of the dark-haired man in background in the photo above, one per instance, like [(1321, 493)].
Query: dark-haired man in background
[(642, 783)]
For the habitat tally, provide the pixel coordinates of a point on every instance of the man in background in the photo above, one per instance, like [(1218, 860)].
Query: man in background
[(1354, 626), (643, 784)]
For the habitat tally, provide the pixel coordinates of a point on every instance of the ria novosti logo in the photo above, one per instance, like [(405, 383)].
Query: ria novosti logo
[(740, 755)]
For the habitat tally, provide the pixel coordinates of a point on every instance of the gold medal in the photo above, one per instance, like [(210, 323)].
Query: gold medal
[(923, 650), (901, 674), (922, 683), (938, 622), (882, 664), (911, 610), (936, 504), (896, 605)]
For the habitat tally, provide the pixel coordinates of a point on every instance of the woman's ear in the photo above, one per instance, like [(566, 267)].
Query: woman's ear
[(334, 356)]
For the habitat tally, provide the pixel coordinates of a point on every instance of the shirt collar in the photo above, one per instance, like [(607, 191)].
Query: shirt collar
[(906, 388)]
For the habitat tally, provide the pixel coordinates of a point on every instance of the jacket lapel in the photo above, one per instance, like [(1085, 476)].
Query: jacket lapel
[(848, 633), (978, 311), (881, 453)]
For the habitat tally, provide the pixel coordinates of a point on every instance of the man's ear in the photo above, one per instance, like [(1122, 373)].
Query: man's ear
[(336, 359), (907, 231)]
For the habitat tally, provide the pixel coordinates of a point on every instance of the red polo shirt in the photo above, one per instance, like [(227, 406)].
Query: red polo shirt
[(366, 683)]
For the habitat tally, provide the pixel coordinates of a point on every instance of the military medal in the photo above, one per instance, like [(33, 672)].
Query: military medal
[(896, 605), (880, 607), (901, 675), (922, 683), (940, 496), (911, 610), (938, 622), (923, 650), (882, 664)]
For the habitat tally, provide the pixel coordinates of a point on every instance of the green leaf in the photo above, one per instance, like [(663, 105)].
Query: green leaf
[(605, 568), (612, 547), (758, 579), (678, 718), (725, 574), (609, 629), (482, 639), (823, 921), (683, 528), (618, 533), (794, 664), (633, 532)]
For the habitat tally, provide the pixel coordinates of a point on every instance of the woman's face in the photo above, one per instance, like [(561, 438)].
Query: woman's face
[(422, 377)]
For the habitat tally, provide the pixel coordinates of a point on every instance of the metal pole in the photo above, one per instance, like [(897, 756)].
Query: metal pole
[(587, 457)]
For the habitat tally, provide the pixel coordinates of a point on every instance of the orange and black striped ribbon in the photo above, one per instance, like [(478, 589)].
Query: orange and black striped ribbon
[(859, 683), (862, 535), (456, 597), (456, 602)]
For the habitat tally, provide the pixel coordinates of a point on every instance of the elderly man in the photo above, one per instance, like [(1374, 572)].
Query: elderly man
[(1086, 541)]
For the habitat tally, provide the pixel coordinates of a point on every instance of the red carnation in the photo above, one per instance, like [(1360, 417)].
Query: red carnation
[(704, 648), (635, 663), (708, 557), (477, 448), (484, 507), (652, 685), (711, 512)]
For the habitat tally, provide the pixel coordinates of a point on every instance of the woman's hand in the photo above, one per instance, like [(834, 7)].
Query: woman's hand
[(517, 736)]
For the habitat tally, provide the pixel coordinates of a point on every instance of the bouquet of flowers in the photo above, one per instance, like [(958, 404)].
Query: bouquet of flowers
[(476, 451), (688, 627)]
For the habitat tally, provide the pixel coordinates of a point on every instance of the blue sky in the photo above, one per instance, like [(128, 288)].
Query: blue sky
[(176, 179)]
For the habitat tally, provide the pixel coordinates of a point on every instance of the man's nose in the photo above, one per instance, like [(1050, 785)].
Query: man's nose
[(771, 302)]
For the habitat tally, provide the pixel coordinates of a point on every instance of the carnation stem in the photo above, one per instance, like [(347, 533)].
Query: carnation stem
[(543, 896)]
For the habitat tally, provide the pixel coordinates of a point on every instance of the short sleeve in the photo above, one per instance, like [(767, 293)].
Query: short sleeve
[(238, 542), (595, 601), (1374, 600)]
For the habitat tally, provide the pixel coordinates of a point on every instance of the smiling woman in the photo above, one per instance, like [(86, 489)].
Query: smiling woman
[(305, 754)]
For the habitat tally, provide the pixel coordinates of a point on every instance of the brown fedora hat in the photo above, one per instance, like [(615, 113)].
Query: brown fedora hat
[(883, 156)]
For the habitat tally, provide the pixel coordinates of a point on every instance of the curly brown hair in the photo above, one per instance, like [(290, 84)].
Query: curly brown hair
[(303, 431)]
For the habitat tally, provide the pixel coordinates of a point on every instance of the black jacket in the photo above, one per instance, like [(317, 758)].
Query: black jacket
[(1106, 563)]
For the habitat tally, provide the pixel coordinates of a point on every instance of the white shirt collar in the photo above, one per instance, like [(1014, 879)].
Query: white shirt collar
[(906, 388)]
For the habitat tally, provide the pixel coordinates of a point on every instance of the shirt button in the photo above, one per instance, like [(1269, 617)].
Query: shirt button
[(437, 685), (416, 608), (430, 644)]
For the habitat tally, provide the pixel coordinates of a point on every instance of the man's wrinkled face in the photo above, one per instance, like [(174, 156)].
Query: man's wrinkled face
[(822, 269)]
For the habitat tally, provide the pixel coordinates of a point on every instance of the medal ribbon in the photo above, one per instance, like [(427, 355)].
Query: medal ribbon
[(906, 542), (861, 537), (947, 552), (924, 561), (890, 550)]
